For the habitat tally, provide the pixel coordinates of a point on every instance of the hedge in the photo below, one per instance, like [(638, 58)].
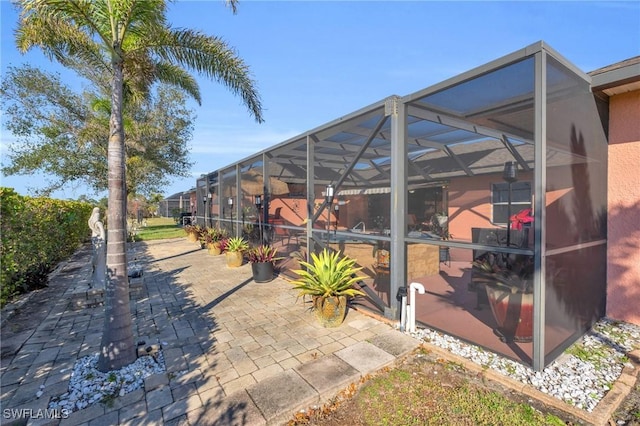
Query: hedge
[(36, 234)]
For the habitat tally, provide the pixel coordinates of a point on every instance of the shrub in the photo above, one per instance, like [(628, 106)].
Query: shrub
[(36, 234)]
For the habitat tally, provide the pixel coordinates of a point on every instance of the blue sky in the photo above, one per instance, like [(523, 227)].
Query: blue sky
[(317, 61)]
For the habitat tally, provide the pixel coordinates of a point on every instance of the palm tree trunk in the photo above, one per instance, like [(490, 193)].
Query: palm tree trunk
[(116, 349)]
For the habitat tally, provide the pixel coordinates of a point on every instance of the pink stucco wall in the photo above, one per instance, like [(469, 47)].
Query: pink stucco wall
[(623, 268)]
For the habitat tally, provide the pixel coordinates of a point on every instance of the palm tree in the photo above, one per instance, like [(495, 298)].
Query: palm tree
[(131, 41)]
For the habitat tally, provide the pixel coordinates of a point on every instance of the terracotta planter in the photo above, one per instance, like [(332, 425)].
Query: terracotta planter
[(234, 258), (330, 311), (192, 237), (262, 271), (513, 312), (214, 249)]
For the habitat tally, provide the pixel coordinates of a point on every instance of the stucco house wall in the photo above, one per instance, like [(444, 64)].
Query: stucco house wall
[(623, 253)]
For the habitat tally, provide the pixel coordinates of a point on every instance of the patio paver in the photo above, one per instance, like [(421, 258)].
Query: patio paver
[(236, 352)]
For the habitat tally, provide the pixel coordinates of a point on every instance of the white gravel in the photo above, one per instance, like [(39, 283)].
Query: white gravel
[(88, 385), (580, 377)]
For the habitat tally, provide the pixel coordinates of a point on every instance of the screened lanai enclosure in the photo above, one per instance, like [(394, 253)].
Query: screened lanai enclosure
[(488, 189)]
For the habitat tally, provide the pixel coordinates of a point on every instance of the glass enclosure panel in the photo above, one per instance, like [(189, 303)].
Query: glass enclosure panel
[(575, 288), (488, 302), (285, 204), (228, 198), (501, 99), (575, 209), (202, 191), (214, 206), (354, 158), (455, 201), (252, 185), (459, 141), (576, 163)]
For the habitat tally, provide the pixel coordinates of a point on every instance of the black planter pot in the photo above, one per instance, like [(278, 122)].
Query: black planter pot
[(262, 271)]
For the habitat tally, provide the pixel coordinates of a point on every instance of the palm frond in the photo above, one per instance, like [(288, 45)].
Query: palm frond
[(212, 57), (178, 77)]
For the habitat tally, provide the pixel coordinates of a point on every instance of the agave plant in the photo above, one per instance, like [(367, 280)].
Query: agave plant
[(328, 275), (237, 244)]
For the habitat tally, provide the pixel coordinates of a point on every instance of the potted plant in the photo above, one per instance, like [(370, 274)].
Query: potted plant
[(223, 244), (212, 238), (508, 282), (193, 232), (329, 281), (235, 248), (262, 259), (440, 227)]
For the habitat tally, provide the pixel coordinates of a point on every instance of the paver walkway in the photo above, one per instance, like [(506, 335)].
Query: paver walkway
[(237, 352)]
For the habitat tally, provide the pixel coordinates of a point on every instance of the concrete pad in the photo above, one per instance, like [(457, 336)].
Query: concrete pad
[(395, 343), (281, 395), (328, 374), (237, 409), (365, 357)]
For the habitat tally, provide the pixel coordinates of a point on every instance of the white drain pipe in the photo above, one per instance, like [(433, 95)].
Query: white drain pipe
[(411, 314)]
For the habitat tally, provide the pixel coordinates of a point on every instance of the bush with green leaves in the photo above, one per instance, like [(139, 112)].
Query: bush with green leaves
[(36, 234)]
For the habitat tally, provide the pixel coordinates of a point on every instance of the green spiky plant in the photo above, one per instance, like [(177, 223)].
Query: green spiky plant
[(328, 275), (237, 244), (329, 280)]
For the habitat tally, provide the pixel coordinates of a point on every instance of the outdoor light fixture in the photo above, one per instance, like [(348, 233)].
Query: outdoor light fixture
[(329, 199), (510, 172), (204, 201), (510, 175), (230, 202), (329, 194), (257, 200)]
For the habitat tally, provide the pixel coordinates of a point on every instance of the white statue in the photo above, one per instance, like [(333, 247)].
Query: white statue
[(97, 228), (99, 259)]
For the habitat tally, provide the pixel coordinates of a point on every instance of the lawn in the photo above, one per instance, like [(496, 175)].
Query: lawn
[(159, 228), (424, 390)]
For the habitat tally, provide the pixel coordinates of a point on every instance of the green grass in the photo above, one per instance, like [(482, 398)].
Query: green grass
[(427, 392), (159, 228), (414, 397)]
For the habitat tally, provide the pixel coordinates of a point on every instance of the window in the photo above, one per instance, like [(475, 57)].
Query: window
[(520, 199)]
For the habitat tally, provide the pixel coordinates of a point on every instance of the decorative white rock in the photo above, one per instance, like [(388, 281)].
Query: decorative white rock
[(581, 383)]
